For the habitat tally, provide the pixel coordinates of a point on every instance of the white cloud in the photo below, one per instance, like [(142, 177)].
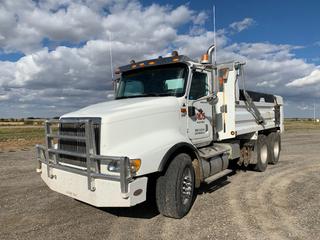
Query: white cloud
[(264, 50), (242, 25), (76, 23), (72, 77), (312, 78), (304, 107), (4, 97), (24, 24)]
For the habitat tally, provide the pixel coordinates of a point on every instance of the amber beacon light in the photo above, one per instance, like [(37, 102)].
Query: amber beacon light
[(205, 58)]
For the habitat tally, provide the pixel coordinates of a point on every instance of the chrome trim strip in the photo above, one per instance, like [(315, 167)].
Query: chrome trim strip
[(66, 137)]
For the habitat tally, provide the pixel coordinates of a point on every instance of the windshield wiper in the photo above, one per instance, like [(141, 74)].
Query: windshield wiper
[(158, 94), (148, 95)]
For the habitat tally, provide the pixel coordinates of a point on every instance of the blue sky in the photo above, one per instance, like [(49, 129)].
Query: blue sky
[(280, 22), (54, 53)]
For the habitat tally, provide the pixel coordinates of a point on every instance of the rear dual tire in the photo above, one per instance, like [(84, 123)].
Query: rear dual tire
[(261, 153), (267, 150), (274, 142)]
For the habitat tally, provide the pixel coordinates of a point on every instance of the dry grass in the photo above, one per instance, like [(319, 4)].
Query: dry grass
[(13, 138), (20, 138), (12, 123), (300, 125)]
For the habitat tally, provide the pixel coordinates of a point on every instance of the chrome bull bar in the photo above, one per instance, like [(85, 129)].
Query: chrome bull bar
[(49, 155)]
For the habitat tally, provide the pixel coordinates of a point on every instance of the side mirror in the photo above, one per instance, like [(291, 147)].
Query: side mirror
[(211, 99)]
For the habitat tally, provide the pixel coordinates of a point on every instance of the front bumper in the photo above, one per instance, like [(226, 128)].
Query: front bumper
[(107, 193), (88, 184)]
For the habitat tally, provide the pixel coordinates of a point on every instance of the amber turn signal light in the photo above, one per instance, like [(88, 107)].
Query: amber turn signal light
[(135, 165)]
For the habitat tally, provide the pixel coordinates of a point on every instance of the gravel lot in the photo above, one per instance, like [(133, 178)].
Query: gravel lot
[(281, 203)]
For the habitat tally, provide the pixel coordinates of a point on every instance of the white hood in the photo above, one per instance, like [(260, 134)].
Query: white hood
[(123, 109)]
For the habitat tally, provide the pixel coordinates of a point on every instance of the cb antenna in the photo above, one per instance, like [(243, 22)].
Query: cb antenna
[(214, 33), (110, 51)]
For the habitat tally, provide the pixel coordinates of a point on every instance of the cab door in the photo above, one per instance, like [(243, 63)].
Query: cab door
[(200, 111)]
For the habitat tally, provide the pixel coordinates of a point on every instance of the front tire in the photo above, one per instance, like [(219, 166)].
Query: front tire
[(175, 189)]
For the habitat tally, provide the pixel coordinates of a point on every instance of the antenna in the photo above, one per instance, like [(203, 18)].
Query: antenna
[(314, 111), (214, 33), (110, 51)]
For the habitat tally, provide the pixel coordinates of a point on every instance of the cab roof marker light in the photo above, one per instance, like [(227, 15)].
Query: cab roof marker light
[(149, 62), (175, 54)]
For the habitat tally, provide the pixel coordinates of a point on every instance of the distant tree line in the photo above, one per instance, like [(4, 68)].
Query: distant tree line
[(25, 121), (299, 119)]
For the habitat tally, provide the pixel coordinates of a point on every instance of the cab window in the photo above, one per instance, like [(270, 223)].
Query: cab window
[(199, 86)]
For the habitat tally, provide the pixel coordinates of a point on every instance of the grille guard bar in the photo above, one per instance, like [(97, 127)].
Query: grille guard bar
[(48, 155)]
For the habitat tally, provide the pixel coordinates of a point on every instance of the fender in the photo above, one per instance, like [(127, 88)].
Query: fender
[(174, 149)]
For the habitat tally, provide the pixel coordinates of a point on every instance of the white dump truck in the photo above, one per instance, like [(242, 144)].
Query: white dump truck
[(174, 123)]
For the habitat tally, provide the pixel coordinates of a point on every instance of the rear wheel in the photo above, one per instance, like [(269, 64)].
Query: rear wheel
[(274, 142), (175, 189), (262, 153)]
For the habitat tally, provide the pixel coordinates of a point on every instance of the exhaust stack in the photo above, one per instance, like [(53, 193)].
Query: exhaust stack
[(207, 58)]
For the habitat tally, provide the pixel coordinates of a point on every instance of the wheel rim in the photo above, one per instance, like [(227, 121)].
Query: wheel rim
[(186, 186), (276, 149), (264, 154)]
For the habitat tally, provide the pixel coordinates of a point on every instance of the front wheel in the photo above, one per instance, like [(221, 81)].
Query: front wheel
[(175, 189)]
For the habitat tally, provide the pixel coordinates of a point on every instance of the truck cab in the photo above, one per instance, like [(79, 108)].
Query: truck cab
[(173, 120)]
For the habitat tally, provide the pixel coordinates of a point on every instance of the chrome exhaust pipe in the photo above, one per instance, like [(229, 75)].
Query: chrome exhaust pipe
[(210, 52)]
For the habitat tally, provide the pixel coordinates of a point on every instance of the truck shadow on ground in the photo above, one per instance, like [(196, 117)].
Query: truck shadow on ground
[(148, 209), (145, 210)]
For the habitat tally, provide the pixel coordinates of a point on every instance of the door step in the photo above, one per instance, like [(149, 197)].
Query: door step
[(211, 151), (217, 176)]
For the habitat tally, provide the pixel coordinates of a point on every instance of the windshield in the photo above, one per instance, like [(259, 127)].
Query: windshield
[(165, 80)]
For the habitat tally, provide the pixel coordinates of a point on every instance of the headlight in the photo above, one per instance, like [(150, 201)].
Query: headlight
[(135, 165), (114, 166)]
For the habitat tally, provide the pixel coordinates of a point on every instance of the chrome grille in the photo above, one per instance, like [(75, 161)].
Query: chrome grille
[(78, 146)]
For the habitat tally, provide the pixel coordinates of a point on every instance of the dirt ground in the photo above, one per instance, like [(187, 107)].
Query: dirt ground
[(281, 203)]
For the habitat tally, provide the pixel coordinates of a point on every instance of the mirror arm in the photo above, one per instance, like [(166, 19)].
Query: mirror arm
[(212, 95)]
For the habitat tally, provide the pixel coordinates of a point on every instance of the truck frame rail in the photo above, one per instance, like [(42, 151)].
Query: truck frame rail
[(49, 154)]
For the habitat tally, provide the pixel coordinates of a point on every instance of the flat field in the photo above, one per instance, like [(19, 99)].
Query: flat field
[(13, 138), (19, 137), (281, 203), (300, 125)]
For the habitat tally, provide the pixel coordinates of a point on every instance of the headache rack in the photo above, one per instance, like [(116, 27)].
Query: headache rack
[(84, 151)]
